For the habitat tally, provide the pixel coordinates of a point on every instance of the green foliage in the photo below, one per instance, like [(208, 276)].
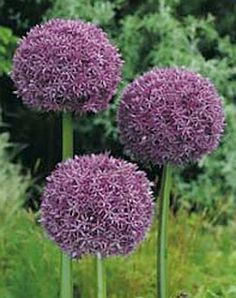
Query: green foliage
[(18, 232), (21, 15), (97, 11), (202, 263), (224, 11), (13, 184), (7, 46), (29, 265), (159, 39)]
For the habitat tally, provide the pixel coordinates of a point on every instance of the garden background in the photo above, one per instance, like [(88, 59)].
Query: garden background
[(198, 34)]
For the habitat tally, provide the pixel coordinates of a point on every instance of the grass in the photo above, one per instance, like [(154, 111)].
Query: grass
[(202, 262)]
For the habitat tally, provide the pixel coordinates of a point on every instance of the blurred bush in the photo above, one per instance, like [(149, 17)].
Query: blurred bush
[(98, 11), (22, 14), (13, 183), (7, 46), (224, 11), (29, 266)]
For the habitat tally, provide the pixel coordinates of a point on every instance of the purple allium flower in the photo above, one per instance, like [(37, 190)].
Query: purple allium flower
[(170, 115), (66, 64), (96, 203)]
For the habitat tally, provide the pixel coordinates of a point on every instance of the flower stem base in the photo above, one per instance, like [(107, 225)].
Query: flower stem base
[(162, 283)]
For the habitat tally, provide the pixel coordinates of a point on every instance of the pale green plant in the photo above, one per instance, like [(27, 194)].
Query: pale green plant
[(13, 184)]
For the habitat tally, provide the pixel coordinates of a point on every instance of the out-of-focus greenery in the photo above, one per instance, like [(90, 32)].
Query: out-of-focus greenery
[(28, 265), (22, 14), (98, 11), (202, 263), (13, 184), (224, 11), (7, 46)]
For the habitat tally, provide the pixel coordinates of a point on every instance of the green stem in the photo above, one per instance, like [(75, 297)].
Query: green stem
[(66, 277), (101, 277), (67, 135), (162, 283), (67, 151)]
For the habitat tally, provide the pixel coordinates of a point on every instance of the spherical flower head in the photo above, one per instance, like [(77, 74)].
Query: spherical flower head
[(66, 65), (170, 115), (96, 203)]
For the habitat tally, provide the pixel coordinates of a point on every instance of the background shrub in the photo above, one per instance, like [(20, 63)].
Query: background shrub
[(13, 184)]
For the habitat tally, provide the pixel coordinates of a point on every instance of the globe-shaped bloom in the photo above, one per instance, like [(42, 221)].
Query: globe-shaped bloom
[(66, 65), (96, 203), (170, 115)]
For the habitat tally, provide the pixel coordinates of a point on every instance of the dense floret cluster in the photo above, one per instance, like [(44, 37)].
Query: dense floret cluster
[(170, 115), (96, 203), (66, 65)]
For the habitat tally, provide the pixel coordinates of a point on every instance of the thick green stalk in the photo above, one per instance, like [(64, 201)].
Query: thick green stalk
[(101, 277), (67, 151), (67, 136), (162, 283)]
